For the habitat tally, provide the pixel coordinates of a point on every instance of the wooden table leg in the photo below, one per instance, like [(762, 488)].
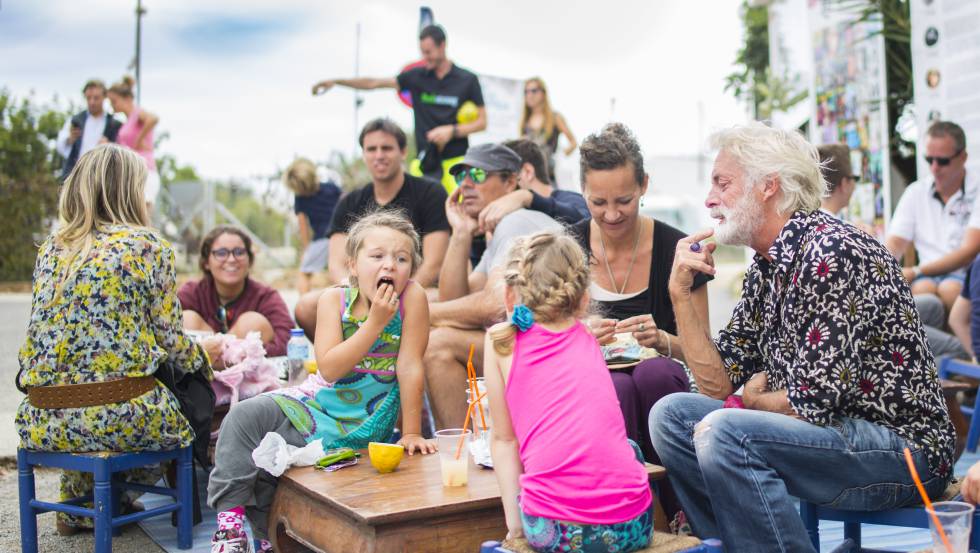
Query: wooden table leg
[(282, 542)]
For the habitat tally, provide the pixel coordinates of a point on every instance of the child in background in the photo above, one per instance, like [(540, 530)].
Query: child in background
[(314, 205), (369, 344), (569, 480)]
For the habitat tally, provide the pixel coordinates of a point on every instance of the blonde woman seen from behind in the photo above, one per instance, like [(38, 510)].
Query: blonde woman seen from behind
[(104, 315), (559, 437)]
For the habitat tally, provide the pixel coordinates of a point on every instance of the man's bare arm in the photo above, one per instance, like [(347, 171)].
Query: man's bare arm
[(358, 83), (896, 246), (337, 258), (956, 259), (700, 353), (434, 247)]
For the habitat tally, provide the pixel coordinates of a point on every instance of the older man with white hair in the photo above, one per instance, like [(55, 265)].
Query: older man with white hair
[(827, 343)]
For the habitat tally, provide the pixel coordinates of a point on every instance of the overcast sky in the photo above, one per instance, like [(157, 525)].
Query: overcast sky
[(231, 80)]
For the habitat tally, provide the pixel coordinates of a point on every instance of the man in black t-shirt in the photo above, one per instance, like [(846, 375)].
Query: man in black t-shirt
[(439, 89), (421, 199)]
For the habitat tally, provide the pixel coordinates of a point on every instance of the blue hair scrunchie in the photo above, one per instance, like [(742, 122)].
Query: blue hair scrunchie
[(522, 317)]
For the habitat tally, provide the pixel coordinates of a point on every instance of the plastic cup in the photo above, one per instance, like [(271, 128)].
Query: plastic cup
[(475, 417), (481, 386), (454, 471), (957, 520)]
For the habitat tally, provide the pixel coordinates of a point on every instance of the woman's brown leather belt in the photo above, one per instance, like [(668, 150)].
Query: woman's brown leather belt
[(70, 396)]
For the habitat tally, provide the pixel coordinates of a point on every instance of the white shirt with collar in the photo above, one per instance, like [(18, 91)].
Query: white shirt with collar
[(91, 134), (936, 229)]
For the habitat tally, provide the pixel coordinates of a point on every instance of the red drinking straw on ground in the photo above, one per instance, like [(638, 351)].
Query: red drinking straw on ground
[(925, 499)]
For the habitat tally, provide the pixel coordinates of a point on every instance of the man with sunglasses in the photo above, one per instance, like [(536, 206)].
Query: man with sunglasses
[(939, 217), (469, 302), (534, 191)]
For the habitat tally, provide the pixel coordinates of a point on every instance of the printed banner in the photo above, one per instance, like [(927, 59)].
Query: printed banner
[(946, 69), (851, 107)]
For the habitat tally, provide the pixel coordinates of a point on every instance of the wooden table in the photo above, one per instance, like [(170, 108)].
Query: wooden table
[(355, 509)]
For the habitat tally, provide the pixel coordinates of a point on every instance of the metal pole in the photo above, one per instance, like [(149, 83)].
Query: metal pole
[(139, 18), (357, 73)]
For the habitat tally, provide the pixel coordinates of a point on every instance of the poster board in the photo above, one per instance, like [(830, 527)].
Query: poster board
[(946, 70), (504, 100), (850, 105)]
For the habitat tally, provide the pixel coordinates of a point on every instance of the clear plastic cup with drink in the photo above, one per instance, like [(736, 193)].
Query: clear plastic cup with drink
[(454, 469), (956, 518)]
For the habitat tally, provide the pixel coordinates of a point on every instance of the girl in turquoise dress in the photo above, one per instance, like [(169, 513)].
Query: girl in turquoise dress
[(369, 342)]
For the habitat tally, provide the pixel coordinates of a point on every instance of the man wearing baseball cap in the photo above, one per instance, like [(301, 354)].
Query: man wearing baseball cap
[(469, 302)]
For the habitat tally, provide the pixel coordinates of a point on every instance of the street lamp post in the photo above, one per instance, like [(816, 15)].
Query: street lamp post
[(140, 12)]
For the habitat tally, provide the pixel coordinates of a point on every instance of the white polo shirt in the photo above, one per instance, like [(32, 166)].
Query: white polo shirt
[(934, 228)]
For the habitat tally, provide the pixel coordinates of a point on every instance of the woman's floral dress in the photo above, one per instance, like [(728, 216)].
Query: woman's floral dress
[(116, 316)]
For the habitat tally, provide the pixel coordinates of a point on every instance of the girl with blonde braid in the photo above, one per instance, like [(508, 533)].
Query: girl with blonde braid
[(568, 477)]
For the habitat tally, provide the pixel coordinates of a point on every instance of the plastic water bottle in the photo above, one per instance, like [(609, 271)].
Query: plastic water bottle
[(297, 352)]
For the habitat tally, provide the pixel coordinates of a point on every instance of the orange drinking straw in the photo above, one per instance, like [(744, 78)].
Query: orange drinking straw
[(925, 499), (466, 422), (471, 373)]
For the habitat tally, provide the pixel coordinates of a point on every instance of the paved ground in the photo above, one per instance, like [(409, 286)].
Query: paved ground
[(15, 309), (133, 540)]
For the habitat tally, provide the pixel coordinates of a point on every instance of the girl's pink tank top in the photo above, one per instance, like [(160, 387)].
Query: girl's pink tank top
[(578, 465)]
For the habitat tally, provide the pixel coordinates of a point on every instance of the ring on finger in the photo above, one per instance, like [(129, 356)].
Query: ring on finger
[(642, 326)]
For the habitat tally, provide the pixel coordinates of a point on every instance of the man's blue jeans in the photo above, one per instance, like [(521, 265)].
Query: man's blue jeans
[(736, 471)]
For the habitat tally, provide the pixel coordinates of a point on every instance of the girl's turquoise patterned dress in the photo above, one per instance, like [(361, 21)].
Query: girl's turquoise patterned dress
[(362, 406), (117, 316)]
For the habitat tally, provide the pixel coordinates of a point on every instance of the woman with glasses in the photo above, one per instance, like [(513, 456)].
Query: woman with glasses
[(541, 125), (227, 300), (104, 318)]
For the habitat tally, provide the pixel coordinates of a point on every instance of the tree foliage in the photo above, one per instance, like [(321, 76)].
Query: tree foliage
[(752, 59), (28, 187), (267, 223)]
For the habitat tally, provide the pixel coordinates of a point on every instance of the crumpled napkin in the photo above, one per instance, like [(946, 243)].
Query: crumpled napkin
[(275, 456), (480, 450)]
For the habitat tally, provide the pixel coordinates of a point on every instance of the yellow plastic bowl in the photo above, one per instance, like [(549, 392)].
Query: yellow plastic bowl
[(385, 457)]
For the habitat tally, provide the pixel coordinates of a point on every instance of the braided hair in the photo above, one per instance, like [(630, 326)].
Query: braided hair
[(549, 272)]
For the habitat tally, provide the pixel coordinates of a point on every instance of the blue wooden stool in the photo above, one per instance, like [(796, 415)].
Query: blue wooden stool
[(106, 492), (909, 517), (948, 367)]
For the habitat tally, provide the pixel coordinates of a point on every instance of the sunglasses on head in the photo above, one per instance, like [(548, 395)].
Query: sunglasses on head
[(222, 253), (477, 175), (942, 161)]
